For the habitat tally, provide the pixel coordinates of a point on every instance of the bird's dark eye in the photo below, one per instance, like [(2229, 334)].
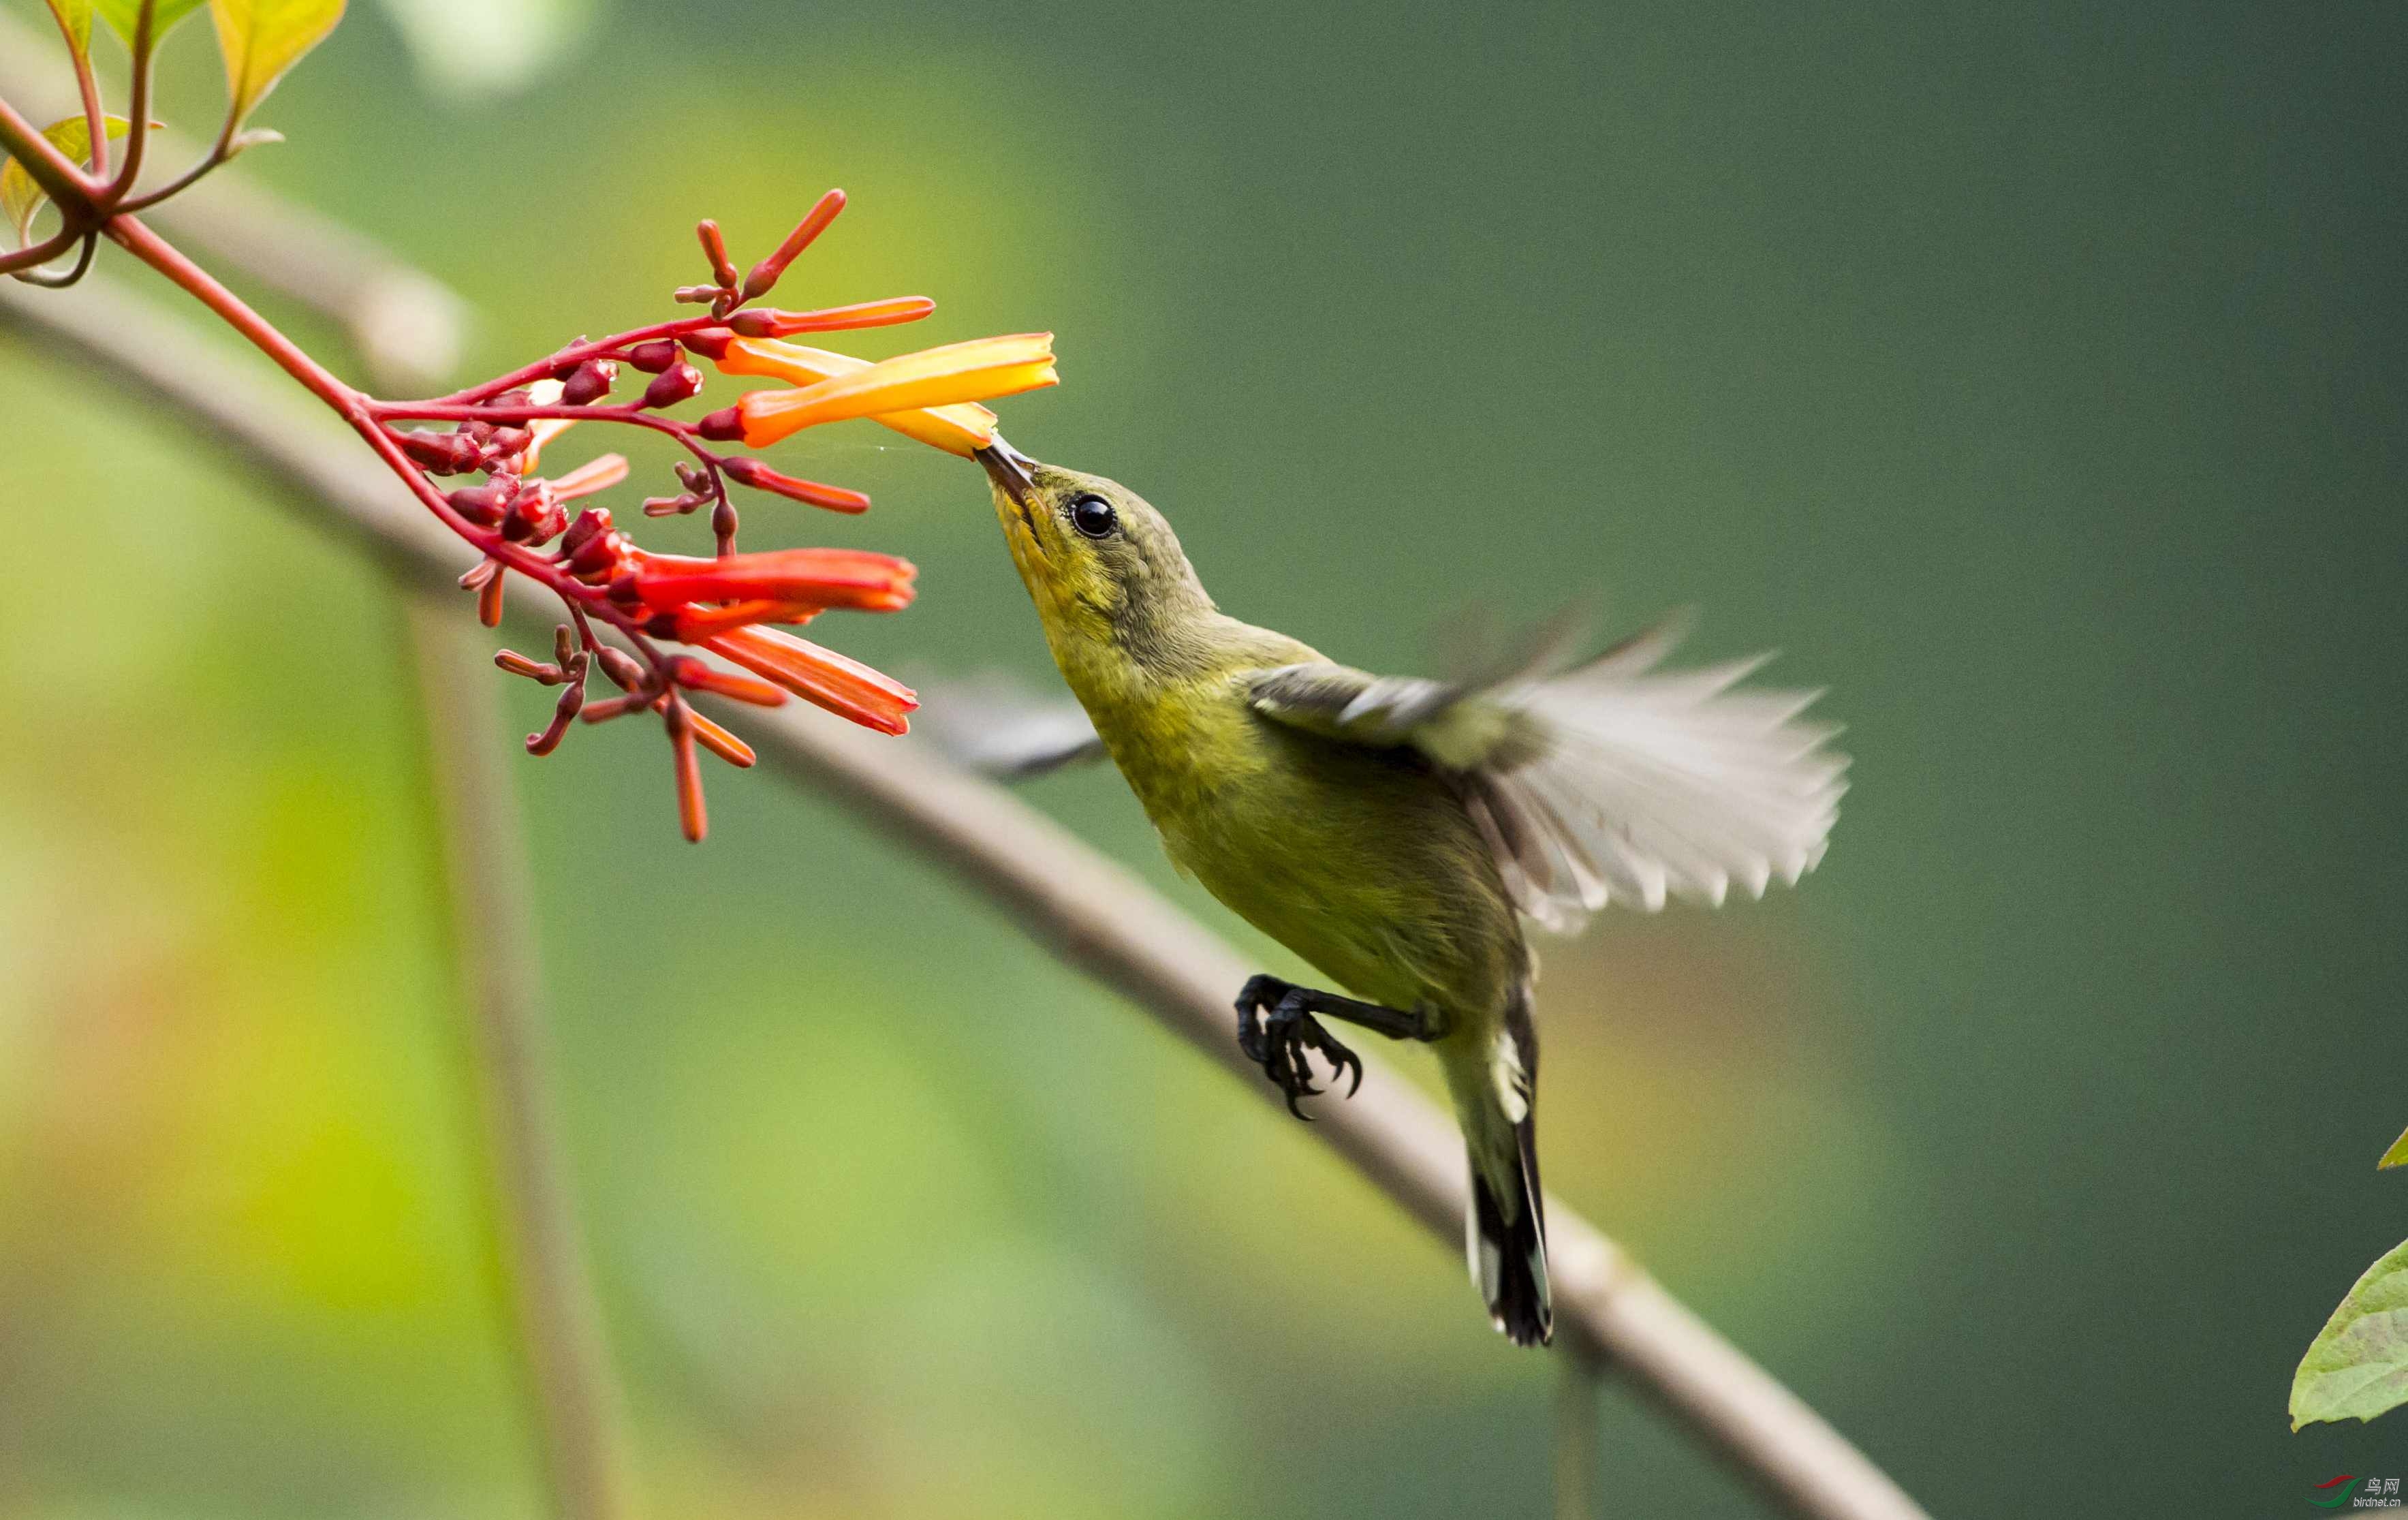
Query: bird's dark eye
[(1094, 516)]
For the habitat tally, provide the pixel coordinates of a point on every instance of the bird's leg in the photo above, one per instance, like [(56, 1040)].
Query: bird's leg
[(1286, 1028)]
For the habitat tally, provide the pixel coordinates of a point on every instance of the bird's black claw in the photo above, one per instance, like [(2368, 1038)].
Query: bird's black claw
[(1348, 1065), (1275, 1031)]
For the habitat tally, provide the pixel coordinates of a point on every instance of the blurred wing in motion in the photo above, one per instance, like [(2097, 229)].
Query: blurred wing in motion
[(999, 726), (1611, 781)]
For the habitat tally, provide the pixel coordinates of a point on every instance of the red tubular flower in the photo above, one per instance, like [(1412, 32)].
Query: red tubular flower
[(853, 578), (760, 476), (715, 247), (845, 687), (764, 274)]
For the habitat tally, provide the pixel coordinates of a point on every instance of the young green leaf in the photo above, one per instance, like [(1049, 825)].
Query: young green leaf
[(2396, 1156), (262, 38), (2357, 1367), (21, 195), (75, 18), (123, 15)]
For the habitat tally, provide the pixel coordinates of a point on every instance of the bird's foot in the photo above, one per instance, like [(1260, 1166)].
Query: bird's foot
[(1275, 1028)]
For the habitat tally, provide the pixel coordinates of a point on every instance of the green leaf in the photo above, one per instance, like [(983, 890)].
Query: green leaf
[(2357, 1367), (262, 38), (21, 195), (123, 15), (76, 17), (2396, 1156)]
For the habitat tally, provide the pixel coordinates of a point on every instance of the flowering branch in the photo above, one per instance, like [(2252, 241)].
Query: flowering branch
[(518, 521)]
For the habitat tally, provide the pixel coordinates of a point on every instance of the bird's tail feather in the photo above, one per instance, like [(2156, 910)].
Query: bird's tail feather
[(1505, 1229)]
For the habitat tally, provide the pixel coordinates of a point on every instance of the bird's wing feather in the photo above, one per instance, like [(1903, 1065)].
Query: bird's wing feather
[(1612, 781)]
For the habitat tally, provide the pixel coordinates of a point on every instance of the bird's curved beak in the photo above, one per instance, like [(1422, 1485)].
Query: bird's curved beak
[(1008, 467)]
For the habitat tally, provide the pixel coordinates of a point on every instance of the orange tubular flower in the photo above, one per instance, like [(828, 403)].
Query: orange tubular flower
[(720, 743), (693, 625), (760, 476), (855, 577), (962, 429), (977, 370), (823, 677)]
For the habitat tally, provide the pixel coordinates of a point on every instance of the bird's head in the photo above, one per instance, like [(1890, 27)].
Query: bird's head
[(1097, 558)]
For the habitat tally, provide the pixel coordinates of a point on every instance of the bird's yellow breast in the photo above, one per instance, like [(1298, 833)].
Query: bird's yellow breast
[(1361, 861)]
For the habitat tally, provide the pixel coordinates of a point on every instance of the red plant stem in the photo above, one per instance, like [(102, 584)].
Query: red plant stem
[(42, 253), (447, 412), (68, 277), (360, 412), (439, 411), (574, 353), (66, 181), (138, 106), (96, 121)]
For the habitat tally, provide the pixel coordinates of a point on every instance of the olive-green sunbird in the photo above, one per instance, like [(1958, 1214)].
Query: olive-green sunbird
[(1395, 833)]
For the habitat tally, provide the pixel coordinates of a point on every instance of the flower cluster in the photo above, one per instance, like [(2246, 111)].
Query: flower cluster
[(735, 605), (628, 607)]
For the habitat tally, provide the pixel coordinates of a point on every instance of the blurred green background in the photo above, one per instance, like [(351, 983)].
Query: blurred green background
[(2032, 375)]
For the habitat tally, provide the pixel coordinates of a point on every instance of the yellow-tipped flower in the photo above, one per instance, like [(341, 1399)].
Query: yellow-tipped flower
[(898, 392), (961, 429)]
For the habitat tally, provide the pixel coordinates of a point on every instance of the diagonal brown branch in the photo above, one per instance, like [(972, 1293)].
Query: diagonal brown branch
[(1094, 914)]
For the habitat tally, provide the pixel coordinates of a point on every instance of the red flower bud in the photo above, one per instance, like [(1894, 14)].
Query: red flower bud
[(518, 665), (485, 504), (622, 667), (715, 247), (711, 342), (764, 274), (535, 514), (591, 522), (654, 356), (439, 454), (754, 473), (619, 707), (724, 426), (589, 383), (680, 382), (563, 713)]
